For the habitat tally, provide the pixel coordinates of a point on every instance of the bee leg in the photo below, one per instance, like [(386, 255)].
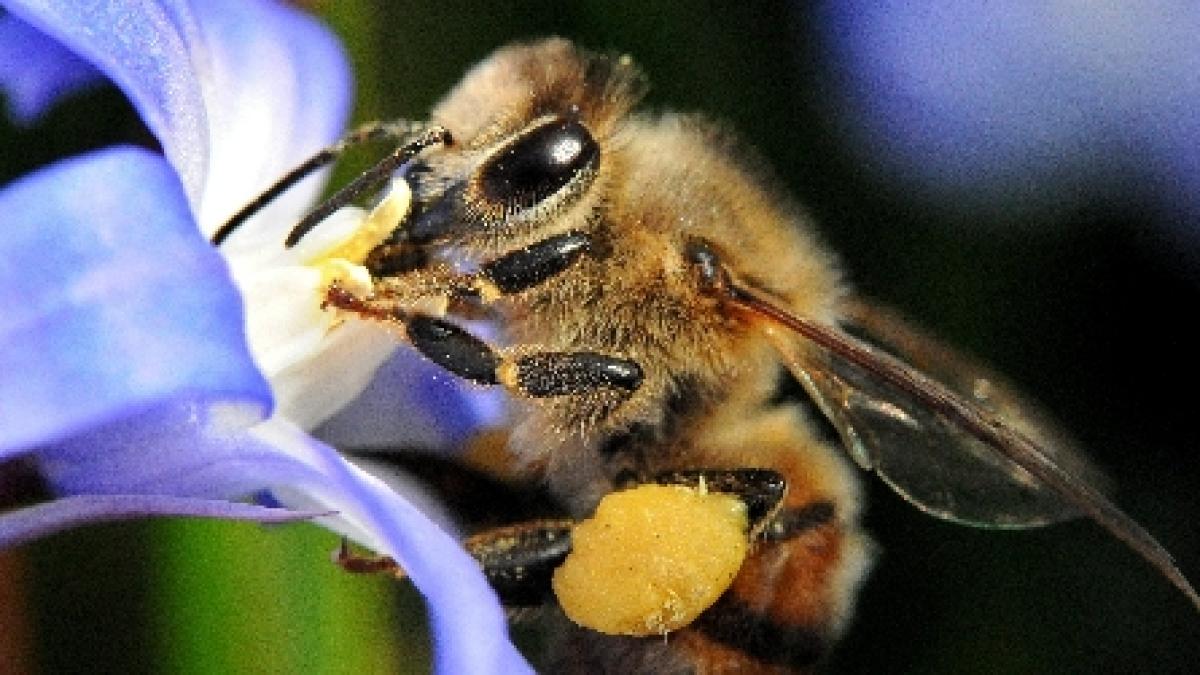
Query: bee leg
[(569, 373), (519, 560), (538, 375), (355, 563), (389, 260), (509, 274), (761, 490), (403, 275), (534, 264)]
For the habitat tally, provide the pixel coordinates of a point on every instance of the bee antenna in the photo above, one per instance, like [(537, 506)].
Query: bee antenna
[(368, 133), (367, 180)]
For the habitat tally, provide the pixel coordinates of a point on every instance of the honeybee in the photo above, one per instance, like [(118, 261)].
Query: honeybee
[(650, 288)]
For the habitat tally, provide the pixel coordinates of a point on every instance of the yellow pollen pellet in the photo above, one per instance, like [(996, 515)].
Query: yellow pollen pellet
[(652, 559)]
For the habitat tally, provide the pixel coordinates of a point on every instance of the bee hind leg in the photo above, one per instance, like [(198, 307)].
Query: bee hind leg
[(761, 490), (356, 563), (518, 560)]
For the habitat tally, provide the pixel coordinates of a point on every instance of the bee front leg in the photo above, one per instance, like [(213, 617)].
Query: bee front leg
[(536, 375), (402, 270)]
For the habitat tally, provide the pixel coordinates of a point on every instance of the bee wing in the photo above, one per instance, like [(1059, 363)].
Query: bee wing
[(924, 455), (920, 452), (977, 457)]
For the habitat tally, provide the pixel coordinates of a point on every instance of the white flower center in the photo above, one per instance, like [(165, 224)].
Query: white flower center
[(315, 361)]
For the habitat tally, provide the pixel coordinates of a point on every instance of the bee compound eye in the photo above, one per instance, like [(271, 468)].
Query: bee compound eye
[(539, 163)]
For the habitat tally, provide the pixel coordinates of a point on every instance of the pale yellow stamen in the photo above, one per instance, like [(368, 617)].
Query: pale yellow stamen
[(342, 263)]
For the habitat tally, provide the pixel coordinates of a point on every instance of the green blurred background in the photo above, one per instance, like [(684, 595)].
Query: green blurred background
[(1088, 308)]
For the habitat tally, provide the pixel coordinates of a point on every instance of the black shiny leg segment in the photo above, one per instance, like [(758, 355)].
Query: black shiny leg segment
[(534, 264), (761, 490), (519, 560), (454, 349)]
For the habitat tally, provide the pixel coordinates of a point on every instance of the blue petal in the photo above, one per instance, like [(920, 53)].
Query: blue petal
[(180, 447), (237, 91), (277, 88), (411, 403), (178, 451), (144, 48), (1021, 104), (113, 301), (36, 72), (469, 627), (55, 516)]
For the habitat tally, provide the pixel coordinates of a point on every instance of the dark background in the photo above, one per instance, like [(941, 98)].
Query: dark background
[(1088, 307)]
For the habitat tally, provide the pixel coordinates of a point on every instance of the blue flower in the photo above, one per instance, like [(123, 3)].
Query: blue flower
[(142, 372), (1019, 105)]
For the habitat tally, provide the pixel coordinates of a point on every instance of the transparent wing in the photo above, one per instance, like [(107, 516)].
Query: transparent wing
[(963, 447), (925, 455)]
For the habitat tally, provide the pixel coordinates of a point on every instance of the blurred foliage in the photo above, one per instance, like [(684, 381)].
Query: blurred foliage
[(1087, 309)]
